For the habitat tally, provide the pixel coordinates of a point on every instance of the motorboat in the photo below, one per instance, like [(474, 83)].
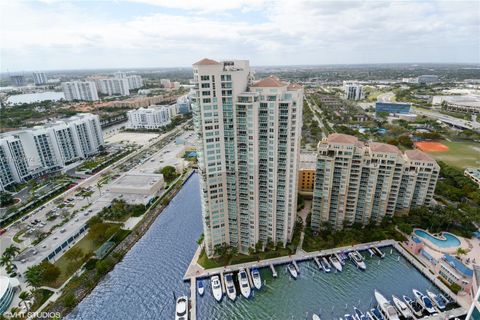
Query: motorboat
[(257, 280), (181, 308), (315, 316), (230, 286), (359, 314), (357, 259), (335, 262), (402, 307), (387, 309), (292, 270), (217, 288), (200, 287), (326, 266), (244, 285), (376, 314), (340, 258), (349, 317), (378, 252), (425, 301), (414, 306), (437, 300)]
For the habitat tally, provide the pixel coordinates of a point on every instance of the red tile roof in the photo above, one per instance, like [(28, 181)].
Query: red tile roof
[(294, 86), (341, 138), (384, 147), (270, 82), (206, 61), (418, 155)]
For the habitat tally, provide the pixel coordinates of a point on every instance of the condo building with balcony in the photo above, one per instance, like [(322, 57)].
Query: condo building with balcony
[(358, 182), (29, 153), (248, 139)]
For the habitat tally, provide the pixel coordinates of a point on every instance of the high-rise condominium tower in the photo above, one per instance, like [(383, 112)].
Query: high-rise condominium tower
[(248, 145), (359, 182)]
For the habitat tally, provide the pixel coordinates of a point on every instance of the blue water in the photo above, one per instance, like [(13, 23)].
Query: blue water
[(142, 285), (450, 240)]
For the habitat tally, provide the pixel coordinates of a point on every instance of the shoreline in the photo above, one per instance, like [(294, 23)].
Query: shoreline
[(118, 252)]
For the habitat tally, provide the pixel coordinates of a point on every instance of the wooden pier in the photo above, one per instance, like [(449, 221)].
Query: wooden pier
[(274, 273), (193, 298)]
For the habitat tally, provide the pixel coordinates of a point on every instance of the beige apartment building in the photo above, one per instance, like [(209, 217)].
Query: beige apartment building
[(358, 182), (248, 136)]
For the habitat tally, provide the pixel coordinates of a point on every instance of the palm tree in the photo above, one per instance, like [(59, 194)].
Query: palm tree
[(5, 260), (11, 251), (24, 296)]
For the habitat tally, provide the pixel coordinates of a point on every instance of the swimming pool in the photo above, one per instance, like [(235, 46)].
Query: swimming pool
[(448, 241)]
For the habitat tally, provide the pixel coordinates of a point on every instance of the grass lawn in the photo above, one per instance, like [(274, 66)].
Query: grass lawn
[(41, 295), (240, 258), (68, 267), (17, 236), (460, 154)]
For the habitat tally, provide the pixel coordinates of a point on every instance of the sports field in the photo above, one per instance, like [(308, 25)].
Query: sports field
[(459, 154), (429, 146)]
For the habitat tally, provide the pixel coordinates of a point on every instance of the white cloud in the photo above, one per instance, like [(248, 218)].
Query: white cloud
[(68, 35)]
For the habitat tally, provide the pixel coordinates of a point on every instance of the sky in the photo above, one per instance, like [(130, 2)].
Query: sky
[(84, 34)]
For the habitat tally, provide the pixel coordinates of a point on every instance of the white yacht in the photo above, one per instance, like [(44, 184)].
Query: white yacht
[(335, 262), (437, 299), (414, 306), (217, 288), (244, 285), (257, 280), (388, 310), (339, 259), (315, 317), (326, 266), (292, 270), (357, 259), (425, 301), (402, 307), (230, 286), (181, 308)]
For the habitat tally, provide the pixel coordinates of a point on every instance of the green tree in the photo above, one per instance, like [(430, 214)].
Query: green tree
[(169, 173), (24, 296), (6, 199), (33, 276), (11, 251), (405, 141)]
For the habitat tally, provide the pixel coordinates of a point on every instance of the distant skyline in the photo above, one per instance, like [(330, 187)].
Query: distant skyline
[(55, 35)]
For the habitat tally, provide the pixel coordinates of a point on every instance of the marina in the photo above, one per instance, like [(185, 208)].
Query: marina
[(154, 269)]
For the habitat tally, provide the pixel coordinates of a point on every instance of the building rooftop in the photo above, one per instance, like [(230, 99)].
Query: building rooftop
[(341, 138), (383, 147), (294, 86), (418, 155), (270, 82), (458, 265), (206, 61)]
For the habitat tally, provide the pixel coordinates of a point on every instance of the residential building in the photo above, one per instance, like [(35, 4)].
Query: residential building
[(428, 79), (392, 107), (134, 82), (248, 145), (359, 182), (353, 90), (153, 117), (8, 286), (183, 105), (40, 78), (120, 74), (80, 90), (473, 174), (165, 83), (113, 86), (17, 80), (28, 153), (306, 173)]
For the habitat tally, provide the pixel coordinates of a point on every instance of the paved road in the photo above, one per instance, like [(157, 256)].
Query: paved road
[(386, 97), (35, 254), (313, 109), (447, 119)]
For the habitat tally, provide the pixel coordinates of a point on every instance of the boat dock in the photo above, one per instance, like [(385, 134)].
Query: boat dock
[(195, 271), (193, 298), (274, 273), (249, 276)]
